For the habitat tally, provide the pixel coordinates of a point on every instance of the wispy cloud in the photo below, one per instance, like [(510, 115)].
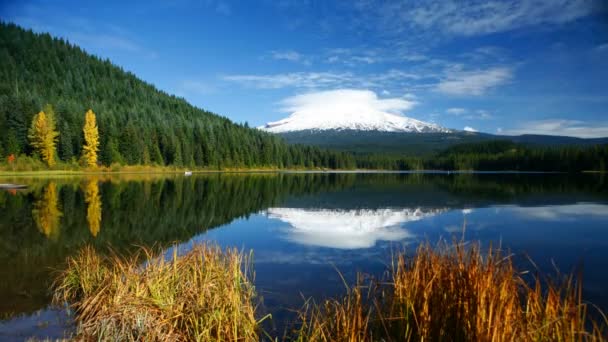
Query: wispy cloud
[(294, 80), (456, 111), (290, 56), (469, 129), (477, 82), (479, 114), (223, 8), (602, 48), (573, 128), (476, 17), (561, 212), (80, 31), (482, 17)]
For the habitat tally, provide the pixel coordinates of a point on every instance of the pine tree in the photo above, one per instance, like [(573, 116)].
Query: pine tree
[(43, 136), (91, 139)]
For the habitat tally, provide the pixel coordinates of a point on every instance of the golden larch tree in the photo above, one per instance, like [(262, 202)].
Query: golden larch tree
[(91, 139), (43, 136)]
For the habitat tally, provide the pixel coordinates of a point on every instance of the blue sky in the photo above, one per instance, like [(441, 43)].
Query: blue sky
[(508, 67)]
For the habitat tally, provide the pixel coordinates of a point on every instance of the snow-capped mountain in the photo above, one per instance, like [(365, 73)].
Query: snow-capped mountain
[(359, 120)]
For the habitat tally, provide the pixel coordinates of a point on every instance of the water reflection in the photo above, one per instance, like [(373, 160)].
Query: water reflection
[(347, 229), (46, 212), (561, 212), (93, 200), (313, 220)]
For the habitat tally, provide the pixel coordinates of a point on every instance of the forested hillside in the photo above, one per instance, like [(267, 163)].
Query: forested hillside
[(496, 155), (138, 124), (416, 144)]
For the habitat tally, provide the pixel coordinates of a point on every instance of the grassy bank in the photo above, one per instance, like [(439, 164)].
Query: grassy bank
[(204, 295), (454, 293), (60, 170), (449, 292)]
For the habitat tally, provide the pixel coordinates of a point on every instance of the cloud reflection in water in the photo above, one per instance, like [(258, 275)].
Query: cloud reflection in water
[(347, 229)]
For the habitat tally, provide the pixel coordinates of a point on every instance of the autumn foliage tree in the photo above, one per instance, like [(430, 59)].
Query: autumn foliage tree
[(43, 135), (91, 139)]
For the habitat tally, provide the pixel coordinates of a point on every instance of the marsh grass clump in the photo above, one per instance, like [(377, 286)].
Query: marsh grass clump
[(203, 295), (454, 292)]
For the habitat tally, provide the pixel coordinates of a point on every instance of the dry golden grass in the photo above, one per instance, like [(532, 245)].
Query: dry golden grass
[(454, 293), (204, 295)]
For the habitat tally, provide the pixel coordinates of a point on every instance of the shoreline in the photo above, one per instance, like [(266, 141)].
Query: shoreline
[(49, 173)]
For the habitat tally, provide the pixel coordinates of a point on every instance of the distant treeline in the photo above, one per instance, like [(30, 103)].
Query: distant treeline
[(497, 155), (138, 124)]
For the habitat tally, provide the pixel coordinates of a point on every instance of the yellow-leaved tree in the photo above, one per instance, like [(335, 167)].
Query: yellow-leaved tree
[(91, 139), (43, 135)]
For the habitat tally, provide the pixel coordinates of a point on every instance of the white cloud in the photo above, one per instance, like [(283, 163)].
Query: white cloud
[(347, 229), (289, 55), (469, 129), (565, 127), (345, 101), (456, 111), (476, 82)]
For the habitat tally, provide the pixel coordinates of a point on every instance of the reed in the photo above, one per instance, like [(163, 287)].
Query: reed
[(203, 295), (454, 292)]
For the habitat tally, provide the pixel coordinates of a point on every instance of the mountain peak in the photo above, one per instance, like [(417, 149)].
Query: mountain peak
[(348, 109), (359, 121)]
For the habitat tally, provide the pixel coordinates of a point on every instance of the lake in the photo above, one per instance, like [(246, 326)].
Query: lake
[(306, 230)]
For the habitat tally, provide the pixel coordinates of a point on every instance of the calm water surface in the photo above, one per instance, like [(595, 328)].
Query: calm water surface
[(303, 228)]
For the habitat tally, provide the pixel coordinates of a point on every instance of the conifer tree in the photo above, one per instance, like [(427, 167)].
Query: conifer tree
[(43, 136), (91, 139)]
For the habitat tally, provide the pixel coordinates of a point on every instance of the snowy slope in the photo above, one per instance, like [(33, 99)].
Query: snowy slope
[(363, 120)]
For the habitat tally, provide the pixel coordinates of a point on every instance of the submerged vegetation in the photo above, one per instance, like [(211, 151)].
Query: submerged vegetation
[(204, 295), (452, 292)]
